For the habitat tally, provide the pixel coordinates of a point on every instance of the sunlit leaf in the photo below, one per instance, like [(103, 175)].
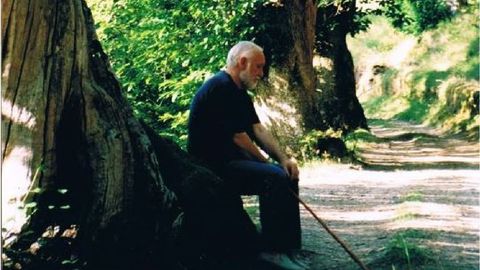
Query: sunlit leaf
[(31, 205)]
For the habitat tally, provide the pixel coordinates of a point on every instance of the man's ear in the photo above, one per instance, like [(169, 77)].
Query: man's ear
[(243, 62)]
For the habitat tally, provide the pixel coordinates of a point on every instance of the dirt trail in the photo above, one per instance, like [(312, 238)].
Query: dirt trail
[(418, 190)]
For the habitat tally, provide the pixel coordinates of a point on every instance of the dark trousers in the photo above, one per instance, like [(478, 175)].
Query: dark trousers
[(279, 209)]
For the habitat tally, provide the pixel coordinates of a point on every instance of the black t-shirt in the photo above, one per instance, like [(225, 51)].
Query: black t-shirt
[(218, 111)]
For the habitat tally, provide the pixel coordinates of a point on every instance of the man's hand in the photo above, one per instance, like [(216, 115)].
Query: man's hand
[(290, 166)]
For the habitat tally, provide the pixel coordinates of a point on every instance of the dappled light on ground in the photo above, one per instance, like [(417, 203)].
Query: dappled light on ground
[(407, 146), (373, 210)]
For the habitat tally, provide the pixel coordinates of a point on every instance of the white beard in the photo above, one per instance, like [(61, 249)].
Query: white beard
[(248, 82)]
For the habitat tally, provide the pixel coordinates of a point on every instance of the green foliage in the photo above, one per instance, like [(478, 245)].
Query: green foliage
[(470, 67), (385, 106), (436, 80), (380, 38), (429, 13), (416, 111), (163, 50), (410, 16), (354, 140), (432, 80), (416, 16), (412, 196), (403, 250), (387, 80), (455, 106), (361, 135), (252, 207), (308, 142), (269, 22), (399, 12)]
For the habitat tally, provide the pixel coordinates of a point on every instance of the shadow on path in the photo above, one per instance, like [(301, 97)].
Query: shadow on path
[(419, 192), (401, 145)]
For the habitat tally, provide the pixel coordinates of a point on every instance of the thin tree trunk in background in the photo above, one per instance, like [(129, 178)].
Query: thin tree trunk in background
[(64, 116)]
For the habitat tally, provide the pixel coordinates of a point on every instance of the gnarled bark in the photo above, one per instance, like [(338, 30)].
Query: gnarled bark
[(64, 117)]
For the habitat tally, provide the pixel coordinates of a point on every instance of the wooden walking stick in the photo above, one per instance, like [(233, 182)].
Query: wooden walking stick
[(324, 225)]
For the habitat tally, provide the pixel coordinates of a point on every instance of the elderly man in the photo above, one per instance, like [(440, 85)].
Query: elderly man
[(224, 131)]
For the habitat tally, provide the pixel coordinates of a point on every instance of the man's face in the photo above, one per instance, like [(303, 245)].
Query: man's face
[(252, 69)]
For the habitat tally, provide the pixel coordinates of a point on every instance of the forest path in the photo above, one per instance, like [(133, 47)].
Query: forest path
[(418, 189)]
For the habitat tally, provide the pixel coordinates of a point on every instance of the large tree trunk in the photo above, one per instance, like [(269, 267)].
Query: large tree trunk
[(288, 102), (306, 92), (66, 125), (334, 65)]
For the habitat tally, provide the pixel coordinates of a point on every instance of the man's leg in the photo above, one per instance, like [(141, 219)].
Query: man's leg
[(279, 209)]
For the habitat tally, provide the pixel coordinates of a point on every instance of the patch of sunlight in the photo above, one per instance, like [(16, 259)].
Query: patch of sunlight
[(401, 52), (402, 129), (368, 5), (18, 115), (390, 109), (418, 156), (428, 215), (102, 13), (442, 158), (460, 224), (16, 177), (374, 215), (313, 174), (278, 82), (433, 55), (267, 115), (462, 245), (419, 215), (427, 208), (322, 62)]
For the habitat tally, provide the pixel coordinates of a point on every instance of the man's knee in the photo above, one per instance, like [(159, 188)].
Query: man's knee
[(280, 174), (278, 179), (277, 171)]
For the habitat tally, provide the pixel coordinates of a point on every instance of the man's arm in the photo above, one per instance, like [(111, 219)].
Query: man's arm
[(244, 142), (268, 143)]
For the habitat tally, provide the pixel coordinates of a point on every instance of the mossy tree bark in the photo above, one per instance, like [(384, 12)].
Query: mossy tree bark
[(66, 125)]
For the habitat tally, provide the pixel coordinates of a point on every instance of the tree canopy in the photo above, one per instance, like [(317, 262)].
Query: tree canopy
[(163, 50)]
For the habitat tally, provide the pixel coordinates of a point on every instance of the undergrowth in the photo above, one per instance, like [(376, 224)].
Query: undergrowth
[(405, 250), (434, 80)]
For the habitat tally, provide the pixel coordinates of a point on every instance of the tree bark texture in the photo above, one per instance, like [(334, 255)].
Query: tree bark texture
[(288, 102), (64, 117), (311, 84), (334, 65)]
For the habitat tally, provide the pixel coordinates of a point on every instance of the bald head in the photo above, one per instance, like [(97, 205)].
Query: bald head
[(242, 48)]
